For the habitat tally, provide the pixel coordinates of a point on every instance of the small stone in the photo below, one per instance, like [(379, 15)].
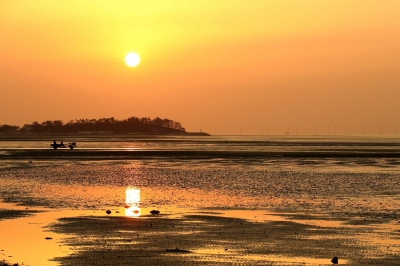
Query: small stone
[(48, 238), (335, 260), (155, 212), (108, 212)]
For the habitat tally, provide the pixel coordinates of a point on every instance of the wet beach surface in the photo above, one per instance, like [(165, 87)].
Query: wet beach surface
[(246, 210)]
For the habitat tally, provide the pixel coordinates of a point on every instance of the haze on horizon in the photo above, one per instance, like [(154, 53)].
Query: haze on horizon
[(223, 67)]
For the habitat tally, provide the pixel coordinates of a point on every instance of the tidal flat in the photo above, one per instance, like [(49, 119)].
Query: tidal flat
[(235, 210)]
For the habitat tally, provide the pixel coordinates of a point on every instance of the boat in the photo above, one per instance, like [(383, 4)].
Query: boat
[(70, 145)]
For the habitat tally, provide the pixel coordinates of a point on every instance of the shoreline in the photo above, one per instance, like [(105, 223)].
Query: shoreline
[(110, 154)]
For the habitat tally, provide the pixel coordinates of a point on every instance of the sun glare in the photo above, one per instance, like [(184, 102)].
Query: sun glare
[(132, 202), (132, 59)]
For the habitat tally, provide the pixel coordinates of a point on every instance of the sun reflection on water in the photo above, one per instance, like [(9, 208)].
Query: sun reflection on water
[(132, 202)]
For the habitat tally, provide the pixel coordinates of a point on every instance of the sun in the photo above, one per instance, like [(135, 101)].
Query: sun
[(132, 59)]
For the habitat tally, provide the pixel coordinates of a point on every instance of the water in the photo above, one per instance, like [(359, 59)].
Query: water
[(263, 172), (229, 143), (251, 185)]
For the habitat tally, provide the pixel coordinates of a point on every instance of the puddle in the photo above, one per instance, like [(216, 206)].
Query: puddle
[(23, 240)]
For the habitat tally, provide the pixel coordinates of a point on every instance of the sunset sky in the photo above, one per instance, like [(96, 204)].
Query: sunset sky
[(223, 67)]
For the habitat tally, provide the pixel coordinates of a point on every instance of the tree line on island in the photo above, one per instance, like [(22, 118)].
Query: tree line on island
[(131, 125)]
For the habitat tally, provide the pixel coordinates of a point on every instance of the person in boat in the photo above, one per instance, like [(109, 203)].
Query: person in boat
[(55, 145), (62, 143)]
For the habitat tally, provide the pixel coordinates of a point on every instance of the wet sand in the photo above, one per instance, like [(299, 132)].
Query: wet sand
[(219, 237), (209, 239)]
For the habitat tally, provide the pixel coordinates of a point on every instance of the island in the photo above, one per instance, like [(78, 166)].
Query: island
[(103, 126)]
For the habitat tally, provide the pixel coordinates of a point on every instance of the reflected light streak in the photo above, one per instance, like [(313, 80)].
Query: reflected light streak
[(132, 202)]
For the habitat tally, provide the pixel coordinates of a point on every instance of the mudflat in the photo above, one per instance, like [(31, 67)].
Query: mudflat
[(210, 239), (218, 206), (216, 237)]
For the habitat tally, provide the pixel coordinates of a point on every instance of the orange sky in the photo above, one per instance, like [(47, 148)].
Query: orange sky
[(225, 67)]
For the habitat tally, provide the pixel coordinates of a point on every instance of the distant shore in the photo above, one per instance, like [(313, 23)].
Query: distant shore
[(5, 137)]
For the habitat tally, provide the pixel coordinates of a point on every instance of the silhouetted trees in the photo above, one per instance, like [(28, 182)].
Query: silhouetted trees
[(144, 125), (8, 128)]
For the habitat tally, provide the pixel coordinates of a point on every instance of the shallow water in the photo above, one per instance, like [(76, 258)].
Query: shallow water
[(259, 143)]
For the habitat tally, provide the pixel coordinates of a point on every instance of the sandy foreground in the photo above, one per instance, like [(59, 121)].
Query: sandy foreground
[(291, 212), (200, 237)]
